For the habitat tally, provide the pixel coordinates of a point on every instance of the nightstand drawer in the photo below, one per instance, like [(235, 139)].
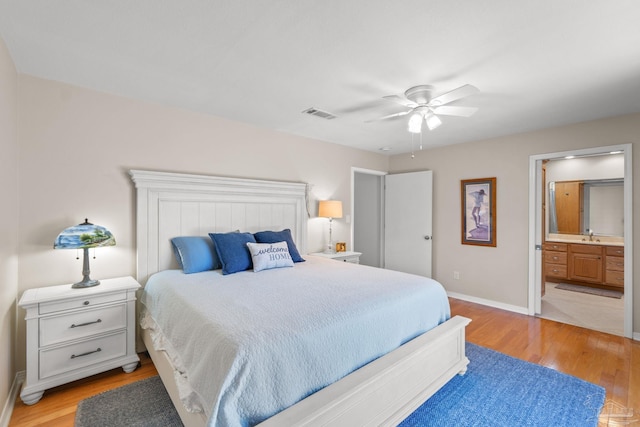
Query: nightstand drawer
[(57, 329), (59, 360), (347, 256), (352, 259), (83, 302)]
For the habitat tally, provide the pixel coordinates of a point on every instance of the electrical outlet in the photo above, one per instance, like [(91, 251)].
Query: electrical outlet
[(456, 275)]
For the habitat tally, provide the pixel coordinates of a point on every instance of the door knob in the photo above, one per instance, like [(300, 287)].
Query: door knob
[(427, 237)]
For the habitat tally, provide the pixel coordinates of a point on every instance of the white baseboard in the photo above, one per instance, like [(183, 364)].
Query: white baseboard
[(636, 336), (5, 417), (490, 303)]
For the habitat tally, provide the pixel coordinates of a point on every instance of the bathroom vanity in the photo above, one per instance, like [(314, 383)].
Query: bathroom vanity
[(588, 263)]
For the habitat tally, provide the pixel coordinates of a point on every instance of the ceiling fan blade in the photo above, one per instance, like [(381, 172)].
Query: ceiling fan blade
[(461, 92), (450, 110), (400, 100), (390, 116)]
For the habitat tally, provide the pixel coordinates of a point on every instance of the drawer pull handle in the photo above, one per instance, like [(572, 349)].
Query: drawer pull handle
[(73, 356), (85, 324), (86, 303), (555, 258)]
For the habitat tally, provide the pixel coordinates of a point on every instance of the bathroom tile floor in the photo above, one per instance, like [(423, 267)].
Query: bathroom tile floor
[(588, 311)]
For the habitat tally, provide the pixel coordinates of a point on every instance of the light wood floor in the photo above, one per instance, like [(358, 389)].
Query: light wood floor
[(608, 360), (57, 408)]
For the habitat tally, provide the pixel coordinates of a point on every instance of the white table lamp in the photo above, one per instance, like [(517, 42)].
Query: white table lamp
[(330, 209)]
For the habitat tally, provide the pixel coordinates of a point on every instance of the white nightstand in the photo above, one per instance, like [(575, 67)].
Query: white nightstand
[(74, 333), (352, 257)]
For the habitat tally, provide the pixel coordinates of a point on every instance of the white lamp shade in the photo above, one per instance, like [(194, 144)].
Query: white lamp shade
[(330, 209), (415, 123)]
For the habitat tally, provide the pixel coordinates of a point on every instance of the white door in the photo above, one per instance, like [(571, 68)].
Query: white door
[(408, 217)]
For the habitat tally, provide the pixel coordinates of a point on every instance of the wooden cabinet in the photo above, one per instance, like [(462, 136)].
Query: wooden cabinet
[(569, 196), (74, 333), (584, 264), (614, 266), (555, 260)]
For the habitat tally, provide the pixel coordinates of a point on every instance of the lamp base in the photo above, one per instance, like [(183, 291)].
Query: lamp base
[(85, 283)]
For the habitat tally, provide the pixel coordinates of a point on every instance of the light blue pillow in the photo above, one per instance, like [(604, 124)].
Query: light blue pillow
[(195, 254), (269, 255), (233, 251), (280, 236)]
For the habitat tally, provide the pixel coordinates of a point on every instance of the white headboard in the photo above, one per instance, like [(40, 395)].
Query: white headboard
[(173, 204)]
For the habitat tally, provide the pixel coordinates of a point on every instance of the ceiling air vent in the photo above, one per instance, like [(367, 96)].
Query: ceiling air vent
[(319, 113)]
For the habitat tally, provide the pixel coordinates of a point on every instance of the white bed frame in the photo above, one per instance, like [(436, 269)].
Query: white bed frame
[(382, 393)]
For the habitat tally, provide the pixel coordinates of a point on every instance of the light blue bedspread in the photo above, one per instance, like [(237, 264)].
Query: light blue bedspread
[(249, 345)]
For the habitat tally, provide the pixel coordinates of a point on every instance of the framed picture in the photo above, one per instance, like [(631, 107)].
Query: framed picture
[(478, 211)]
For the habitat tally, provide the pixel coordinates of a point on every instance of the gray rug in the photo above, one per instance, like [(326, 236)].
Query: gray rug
[(590, 290), (143, 403)]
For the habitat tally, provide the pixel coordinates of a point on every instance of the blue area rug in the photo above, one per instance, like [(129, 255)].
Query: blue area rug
[(499, 390)]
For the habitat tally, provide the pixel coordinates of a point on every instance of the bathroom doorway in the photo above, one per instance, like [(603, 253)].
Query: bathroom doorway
[(580, 269)]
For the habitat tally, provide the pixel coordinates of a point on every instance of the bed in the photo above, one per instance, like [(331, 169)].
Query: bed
[(361, 378)]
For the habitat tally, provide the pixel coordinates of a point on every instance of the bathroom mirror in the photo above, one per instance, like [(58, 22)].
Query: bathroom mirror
[(588, 206)]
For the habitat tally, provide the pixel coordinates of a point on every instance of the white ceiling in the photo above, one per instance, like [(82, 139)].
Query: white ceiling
[(537, 63)]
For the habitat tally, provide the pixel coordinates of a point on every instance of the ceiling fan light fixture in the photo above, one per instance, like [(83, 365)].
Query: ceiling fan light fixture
[(432, 121), (415, 123)]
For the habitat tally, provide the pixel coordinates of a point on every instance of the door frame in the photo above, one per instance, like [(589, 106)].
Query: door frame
[(381, 175), (535, 226)]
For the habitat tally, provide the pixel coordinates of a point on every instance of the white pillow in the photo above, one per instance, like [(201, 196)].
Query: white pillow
[(269, 255)]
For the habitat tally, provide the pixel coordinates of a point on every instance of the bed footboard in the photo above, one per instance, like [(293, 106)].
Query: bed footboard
[(385, 391), (381, 393)]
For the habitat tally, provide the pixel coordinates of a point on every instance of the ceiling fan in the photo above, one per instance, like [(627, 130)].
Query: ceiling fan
[(423, 106)]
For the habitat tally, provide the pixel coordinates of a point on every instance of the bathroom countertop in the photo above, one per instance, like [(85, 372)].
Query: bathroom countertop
[(597, 240)]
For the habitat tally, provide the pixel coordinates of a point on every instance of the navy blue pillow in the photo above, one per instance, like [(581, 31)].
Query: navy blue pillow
[(233, 251), (280, 236), (195, 254)]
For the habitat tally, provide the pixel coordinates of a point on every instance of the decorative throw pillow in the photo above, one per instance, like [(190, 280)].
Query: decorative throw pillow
[(195, 254), (232, 250), (270, 255), (280, 236)]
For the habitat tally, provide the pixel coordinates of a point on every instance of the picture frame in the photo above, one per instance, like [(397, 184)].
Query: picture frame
[(479, 216)]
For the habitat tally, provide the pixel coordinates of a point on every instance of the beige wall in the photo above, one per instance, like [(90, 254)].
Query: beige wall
[(8, 219), (76, 146), (500, 274)]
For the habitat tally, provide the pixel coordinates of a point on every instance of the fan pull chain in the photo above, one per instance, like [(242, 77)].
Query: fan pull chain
[(413, 156)]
